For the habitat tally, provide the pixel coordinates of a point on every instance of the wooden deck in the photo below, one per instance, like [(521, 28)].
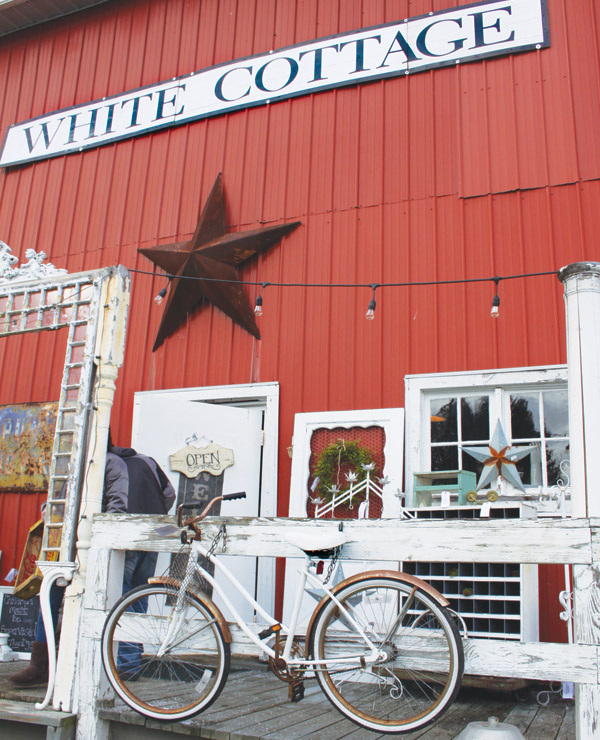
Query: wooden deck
[(254, 706)]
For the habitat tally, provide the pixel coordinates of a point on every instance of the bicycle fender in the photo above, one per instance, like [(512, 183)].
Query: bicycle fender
[(206, 602), (393, 574)]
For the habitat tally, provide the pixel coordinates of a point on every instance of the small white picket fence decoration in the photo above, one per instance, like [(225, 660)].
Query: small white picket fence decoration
[(367, 486)]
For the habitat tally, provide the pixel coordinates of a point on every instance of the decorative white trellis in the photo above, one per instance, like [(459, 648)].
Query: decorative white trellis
[(91, 307), (360, 493), (40, 297)]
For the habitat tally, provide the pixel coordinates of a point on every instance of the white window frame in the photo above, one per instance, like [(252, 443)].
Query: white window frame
[(499, 383)]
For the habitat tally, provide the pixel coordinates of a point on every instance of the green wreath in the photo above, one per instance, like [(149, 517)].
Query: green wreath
[(335, 461)]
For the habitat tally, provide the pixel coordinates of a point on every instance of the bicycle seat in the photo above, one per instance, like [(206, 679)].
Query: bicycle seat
[(321, 543)]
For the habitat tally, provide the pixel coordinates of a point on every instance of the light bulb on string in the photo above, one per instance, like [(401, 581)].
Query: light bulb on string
[(258, 310), (158, 298), (495, 312), (370, 315), (162, 293)]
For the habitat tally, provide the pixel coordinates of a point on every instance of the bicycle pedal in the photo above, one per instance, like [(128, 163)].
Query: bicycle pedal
[(273, 629), (296, 691)]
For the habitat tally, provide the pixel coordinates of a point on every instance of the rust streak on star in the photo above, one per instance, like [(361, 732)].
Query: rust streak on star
[(498, 458)]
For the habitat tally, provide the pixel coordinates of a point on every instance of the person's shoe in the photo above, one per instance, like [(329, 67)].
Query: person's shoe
[(36, 672)]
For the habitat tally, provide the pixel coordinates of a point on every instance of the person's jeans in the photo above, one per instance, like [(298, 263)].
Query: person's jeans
[(56, 597), (139, 566)]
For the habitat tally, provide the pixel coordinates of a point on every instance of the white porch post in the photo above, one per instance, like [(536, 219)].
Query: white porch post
[(79, 673), (582, 299)]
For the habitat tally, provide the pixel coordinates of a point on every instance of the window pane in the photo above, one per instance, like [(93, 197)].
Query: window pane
[(444, 458), (556, 414), (470, 463), (475, 421), (443, 421), (530, 468), (556, 452), (525, 416)]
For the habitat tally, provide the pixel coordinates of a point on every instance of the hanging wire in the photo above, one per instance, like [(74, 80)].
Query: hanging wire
[(406, 284), (495, 310)]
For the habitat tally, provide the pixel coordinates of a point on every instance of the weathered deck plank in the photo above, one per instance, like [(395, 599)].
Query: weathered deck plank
[(315, 719), (567, 727), (254, 706), (521, 716), (256, 718), (545, 724), (453, 722)]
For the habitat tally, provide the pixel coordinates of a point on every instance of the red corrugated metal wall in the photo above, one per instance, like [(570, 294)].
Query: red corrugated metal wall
[(490, 168), (31, 369)]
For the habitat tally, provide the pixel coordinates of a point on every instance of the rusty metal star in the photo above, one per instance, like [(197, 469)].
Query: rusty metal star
[(202, 267)]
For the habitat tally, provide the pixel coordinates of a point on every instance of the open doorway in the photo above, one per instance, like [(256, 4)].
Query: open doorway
[(239, 418)]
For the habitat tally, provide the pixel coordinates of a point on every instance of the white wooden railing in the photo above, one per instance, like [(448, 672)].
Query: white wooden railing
[(575, 542)]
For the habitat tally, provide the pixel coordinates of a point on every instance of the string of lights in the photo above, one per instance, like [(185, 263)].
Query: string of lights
[(370, 315)]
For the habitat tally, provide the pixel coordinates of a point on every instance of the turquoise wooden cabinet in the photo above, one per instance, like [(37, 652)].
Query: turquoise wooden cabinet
[(428, 487)]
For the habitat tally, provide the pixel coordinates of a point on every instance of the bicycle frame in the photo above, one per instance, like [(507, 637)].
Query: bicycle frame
[(194, 566)]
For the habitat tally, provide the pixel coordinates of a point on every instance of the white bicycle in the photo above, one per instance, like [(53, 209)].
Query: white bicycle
[(382, 645)]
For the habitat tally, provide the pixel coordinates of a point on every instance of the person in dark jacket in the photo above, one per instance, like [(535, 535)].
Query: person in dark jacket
[(133, 484)]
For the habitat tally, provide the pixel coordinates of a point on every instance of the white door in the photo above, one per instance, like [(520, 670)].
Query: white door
[(305, 425), (162, 426)]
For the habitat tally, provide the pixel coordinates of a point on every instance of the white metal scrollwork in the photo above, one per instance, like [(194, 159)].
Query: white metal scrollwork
[(560, 492)]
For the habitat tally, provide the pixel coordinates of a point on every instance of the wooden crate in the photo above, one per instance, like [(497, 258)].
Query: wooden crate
[(428, 486), (29, 577)]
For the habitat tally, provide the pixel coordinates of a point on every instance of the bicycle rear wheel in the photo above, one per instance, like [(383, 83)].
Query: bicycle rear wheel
[(420, 668), (167, 682)]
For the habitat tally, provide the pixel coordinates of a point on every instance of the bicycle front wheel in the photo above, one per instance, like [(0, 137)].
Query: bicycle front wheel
[(420, 665), (161, 675)]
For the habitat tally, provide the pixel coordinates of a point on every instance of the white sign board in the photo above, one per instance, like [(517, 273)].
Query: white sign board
[(191, 461), (448, 37)]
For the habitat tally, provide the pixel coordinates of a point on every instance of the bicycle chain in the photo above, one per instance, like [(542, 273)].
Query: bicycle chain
[(220, 536), (332, 564)]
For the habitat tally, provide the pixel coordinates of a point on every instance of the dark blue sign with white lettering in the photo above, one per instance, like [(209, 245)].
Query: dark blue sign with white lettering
[(447, 37)]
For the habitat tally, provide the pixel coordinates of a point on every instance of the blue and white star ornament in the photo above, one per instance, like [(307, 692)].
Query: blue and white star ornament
[(499, 459)]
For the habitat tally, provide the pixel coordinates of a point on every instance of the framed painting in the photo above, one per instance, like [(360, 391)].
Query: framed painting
[(26, 439)]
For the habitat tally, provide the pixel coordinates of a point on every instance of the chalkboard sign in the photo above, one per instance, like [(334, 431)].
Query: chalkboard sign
[(19, 619)]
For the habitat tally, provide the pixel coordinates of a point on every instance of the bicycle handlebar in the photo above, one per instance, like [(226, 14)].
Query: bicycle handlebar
[(231, 496), (191, 523)]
